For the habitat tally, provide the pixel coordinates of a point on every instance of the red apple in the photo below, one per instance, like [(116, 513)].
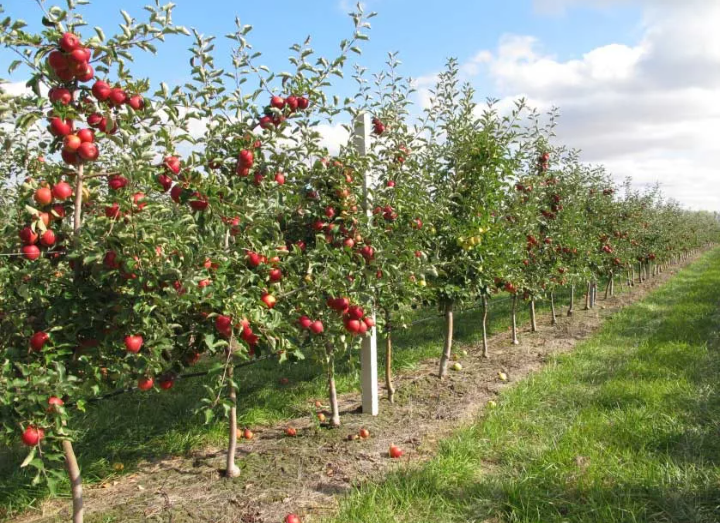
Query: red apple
[(38, 340), (48, 238), (61, 95), (254, 259), (136, 102), (166, 382), (269, 300), (62, 191), (277, 102), (292, 102), (280, 178), (172, 163), (165, 181), (291, 431), (145, 383), (303, 103), (317, 327), (88, 151), (31, 252), (32, 436), (86, 135), (101, 90), (117, 96), (292, 518), (364, 433), (355, 312), (54, 401), (69, 42), (57, 60), (133, 343), (275, 275), (28, 236), (395, 452), (352, 326), (43, 196), (86, 75)]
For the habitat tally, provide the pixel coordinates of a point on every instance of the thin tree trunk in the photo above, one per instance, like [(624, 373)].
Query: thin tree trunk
[(75, 481), (640, 273), (388, 359), (612, 284), (514, 321), (231, 470), (571, 309), (553, 322), (330, 350), (607, 288), (448, 339), (629, 279), (71, 463), (484, 327), (588, 288), (533, 318)]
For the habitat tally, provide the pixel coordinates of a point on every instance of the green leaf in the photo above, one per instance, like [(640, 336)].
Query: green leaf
[(29, 458)]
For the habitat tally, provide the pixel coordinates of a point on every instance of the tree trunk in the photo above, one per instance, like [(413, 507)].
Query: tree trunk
[(553, 321), (335, 410), (448, 339), (231, 470), (612, 284), (533, 318), (640, 273), (588, 288), (571, 309), (514, 321), (607, 288), (485, 352), (388, 359), (75, 481)]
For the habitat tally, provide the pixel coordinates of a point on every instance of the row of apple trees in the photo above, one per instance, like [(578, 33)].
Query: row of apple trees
[(147, 226)]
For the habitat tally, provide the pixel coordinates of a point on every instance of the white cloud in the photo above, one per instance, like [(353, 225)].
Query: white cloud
[(15, 88), (648, 110), (333, 137)]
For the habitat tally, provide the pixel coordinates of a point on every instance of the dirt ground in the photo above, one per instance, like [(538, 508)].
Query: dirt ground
[(306, 474)]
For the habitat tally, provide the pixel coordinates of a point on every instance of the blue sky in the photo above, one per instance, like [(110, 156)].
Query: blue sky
[(637, 81), (425, 33)]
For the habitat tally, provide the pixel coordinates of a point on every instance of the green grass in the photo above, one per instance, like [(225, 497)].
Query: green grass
[(624, 429), (136, 427)]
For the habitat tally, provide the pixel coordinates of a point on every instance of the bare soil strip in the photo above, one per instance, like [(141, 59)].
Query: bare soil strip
[(307, 473)]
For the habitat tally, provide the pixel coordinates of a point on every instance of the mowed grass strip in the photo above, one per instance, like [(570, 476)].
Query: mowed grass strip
[(624, 429)]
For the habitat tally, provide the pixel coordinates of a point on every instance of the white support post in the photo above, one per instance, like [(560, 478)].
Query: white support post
[(368, 352)]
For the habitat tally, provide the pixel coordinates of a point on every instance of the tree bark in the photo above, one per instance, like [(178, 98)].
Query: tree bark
[(514, 321), (75, 481), (231, 470), (388, 359), (485, 352), (448, 339), (612, 284), (71, 463), (587, 296), (553, 321), (607, 287), (571, 309), (332, 390), (533, 318)]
